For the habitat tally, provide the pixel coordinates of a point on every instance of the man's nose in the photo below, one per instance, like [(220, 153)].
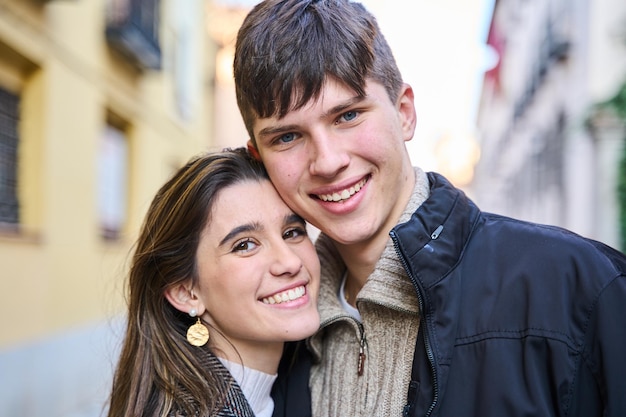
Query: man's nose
[(328, 156)]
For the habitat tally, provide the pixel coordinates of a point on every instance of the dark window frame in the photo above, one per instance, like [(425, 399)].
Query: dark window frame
[(133, 30), (9, 140)]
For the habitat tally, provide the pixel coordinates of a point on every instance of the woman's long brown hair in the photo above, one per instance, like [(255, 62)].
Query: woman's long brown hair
[(158, 370)]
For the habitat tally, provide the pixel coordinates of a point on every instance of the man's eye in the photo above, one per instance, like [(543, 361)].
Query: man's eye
[(349, 115), (244, 246), (287, 137)]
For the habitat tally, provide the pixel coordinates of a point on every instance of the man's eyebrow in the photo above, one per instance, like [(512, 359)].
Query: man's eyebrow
[(273, 130), (238, 230), (340, 108)]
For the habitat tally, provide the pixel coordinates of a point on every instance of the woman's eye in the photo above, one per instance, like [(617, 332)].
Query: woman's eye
[(244, 246), (295, 233)]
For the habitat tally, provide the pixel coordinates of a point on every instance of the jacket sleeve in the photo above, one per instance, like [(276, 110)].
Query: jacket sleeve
[(605, 353)]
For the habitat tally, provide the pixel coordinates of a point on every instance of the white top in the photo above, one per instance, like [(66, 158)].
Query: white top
[(256, 387), (345, 304)]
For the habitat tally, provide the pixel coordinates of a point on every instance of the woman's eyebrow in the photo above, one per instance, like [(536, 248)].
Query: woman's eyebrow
[(249, 227), (294, 218)]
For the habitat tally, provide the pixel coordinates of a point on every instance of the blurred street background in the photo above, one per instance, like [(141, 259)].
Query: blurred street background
[(522, 103)]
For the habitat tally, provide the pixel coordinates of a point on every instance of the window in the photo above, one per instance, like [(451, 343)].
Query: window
[(132, 29), (9, 118), (112, 182), (185, 57)]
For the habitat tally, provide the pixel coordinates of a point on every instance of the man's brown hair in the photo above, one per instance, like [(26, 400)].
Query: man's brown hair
[(286, 50)]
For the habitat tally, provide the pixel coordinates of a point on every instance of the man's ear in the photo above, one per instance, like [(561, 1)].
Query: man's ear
[(253, 150), (182, 298), (406, 109)]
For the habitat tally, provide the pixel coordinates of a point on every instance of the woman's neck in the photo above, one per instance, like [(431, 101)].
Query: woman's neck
[(262, 356)]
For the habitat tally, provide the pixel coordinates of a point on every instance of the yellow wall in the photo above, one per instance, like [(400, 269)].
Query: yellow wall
[(57, 272)]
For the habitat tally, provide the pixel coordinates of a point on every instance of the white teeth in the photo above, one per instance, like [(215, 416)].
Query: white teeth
[(345, 194), (285, 296)]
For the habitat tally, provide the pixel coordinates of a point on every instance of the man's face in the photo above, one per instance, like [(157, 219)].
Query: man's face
[(341, 161)]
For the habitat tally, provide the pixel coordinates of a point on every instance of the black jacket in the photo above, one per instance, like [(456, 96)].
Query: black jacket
[(291, 394), (518, 319)]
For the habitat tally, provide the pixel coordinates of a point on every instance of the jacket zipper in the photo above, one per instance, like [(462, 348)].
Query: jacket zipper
[(427, 344)]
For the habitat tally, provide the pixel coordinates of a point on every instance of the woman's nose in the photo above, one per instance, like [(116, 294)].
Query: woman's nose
[(286, 260)]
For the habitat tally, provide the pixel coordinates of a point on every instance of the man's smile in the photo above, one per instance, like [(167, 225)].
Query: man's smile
[(343, 194)]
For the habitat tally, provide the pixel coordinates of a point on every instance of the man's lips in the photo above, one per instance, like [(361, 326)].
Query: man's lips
[(346, 193)]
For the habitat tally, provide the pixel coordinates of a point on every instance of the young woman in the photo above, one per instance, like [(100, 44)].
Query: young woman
[(223, 275)]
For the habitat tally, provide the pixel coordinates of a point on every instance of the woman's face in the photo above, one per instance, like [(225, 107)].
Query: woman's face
[(258, 270)]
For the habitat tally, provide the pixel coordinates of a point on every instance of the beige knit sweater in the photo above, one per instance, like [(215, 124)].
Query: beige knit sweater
[(390, 319)]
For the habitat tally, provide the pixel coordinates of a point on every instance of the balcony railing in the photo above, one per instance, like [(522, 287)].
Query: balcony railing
[(132, 29)]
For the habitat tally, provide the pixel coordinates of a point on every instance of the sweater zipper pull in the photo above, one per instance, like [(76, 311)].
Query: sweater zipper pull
[(361, 364)]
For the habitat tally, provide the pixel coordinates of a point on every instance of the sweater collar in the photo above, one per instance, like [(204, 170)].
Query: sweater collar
[(387, 285)]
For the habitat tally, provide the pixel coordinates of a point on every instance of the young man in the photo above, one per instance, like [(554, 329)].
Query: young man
[(429, 306)]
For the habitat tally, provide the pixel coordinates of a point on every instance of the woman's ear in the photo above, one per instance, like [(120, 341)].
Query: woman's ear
[(182, 298)]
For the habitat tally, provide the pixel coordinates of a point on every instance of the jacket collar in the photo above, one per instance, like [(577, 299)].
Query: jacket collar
[(433, 240)]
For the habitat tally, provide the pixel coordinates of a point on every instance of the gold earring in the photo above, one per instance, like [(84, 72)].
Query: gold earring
[(198, 334)]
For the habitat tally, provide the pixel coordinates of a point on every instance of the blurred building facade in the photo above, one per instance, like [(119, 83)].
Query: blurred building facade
[(544, 156), (100, 101)]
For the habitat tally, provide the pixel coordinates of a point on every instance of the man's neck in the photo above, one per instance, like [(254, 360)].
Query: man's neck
[(361, 258)]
